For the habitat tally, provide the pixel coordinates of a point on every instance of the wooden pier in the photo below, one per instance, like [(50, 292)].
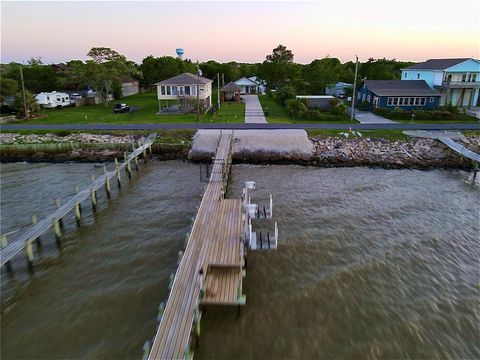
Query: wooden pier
[(24, 241), (211, 270)]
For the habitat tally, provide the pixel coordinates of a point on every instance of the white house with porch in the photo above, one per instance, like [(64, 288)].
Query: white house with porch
[(179, 93), (251, 85)]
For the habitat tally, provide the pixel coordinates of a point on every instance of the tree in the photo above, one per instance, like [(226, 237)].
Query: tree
[(31, 102), (278, 68), (106, 67), (8, 87), (321, 73), (35, 61)]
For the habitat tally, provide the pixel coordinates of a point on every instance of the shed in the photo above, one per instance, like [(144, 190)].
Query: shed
[(316, 101), (230, 92)]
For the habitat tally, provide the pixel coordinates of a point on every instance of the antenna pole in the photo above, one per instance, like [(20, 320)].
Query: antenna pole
[(354, 89), (218, 90), (25, 108)]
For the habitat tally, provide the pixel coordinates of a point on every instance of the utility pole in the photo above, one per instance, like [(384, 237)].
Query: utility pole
[(223, 79), (354, 89), (198, 92), (218, 90), (25, 108)]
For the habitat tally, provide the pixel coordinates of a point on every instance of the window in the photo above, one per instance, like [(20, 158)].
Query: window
[(58, 98), (368, 98), (405, 76), (469, 77), (432, 99), (389, 101), (412, 100), (359, 96), (174, 90), (48, 98), (422, 101), (168, 90), (400, 101), (193, 90), (418, 76), (180, 90), (162, 88), (187, 90), (395, 101), (417, 101), (363, 97), (464, 77), (474, 77)]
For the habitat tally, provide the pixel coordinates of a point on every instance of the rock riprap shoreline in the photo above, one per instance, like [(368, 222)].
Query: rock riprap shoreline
[(254, 146)]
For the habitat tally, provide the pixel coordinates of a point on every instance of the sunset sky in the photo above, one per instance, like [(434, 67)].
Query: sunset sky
[(241, 31)]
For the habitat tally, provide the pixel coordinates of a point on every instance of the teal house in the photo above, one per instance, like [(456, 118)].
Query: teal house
[(457, 80)]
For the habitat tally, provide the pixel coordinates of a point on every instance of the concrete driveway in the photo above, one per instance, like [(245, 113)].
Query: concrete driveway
[(474, 112), (367, 117), (253, 110)]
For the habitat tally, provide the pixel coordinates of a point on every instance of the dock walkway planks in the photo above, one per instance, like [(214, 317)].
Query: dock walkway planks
[(19, 243), (214, 245)]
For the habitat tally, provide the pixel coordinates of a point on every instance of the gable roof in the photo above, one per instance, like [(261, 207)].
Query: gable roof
[(184, 79), (231, 87), (246, 81), (400, 88), (436, 64)]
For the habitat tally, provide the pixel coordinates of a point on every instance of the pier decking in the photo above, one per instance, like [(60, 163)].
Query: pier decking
[(210, 271), (23, 242)]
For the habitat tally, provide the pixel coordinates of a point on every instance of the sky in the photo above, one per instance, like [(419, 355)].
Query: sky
[(243, 31)]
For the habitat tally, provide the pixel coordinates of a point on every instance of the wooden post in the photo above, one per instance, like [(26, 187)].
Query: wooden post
[(57, 204), (144, 152), (128, 168), (57, 231), (150, 152), (94, 196), (136, 163), (29, 254), (38, 241), (117, 170), (107, 183), (77, 190)]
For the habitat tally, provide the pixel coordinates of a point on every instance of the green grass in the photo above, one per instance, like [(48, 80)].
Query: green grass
[(278, 114), (391, 135), (148, 107)]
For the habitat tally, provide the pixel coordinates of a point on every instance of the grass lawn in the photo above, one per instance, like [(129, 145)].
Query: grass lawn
[(278, 114), (148, 107)]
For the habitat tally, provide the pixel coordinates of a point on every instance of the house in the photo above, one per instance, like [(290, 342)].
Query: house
[(248, 86), (338, 89), (179, 93), (262, 85), (389, 94), (458, 80), (316, 101), (230, 92), (130, 86), (54, 99)]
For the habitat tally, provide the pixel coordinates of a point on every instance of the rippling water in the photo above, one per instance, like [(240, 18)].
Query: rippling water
[(371, 264)]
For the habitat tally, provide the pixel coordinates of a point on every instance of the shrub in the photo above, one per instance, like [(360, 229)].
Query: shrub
[(339, 109), (285, 93), (295, 108), (364, 105)]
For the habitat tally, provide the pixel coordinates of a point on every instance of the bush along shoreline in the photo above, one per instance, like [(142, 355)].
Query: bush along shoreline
[(420, 153)]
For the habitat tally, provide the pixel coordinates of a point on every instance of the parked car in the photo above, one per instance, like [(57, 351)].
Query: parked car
[(121, 108)]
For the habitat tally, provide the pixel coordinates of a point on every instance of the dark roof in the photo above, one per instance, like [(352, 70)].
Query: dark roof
[(436, 64), (184, 79), (127, 79), (60, 66), (231, 87), (400, 88)]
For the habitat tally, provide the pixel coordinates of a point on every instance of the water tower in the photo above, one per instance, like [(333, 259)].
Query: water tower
[(179, 52)]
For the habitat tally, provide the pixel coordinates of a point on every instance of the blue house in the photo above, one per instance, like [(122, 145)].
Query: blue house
[(458, 80), (389, 94)]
